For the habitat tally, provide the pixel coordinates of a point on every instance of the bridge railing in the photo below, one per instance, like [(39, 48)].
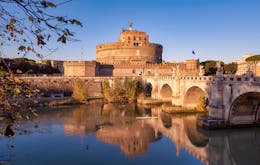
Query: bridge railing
[(198, 78), (191, 78), (240, 79)]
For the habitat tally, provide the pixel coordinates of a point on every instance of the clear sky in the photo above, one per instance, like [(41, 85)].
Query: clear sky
[(214, 29)]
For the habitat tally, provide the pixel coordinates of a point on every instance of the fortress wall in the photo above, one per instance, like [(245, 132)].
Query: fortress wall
[(129, 54), (64, 84), (80, 68), (92, 68)]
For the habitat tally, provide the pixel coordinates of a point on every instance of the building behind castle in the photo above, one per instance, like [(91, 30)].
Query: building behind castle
[(243, 66)]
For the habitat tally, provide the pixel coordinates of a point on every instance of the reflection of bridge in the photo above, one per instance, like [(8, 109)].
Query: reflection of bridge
[(182, 131), (233, 99), (134, 137)]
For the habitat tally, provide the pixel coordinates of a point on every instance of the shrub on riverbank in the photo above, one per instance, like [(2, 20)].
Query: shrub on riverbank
[(202, 105), (122, 90), (80, 91)]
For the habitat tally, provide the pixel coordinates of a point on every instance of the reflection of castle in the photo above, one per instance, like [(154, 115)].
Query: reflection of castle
[(132, 55), (134, 136), (133, 139)]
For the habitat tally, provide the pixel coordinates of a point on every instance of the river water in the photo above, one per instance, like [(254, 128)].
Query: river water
[(115, 134)]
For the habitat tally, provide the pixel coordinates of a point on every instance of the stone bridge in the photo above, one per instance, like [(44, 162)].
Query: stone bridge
[(234, 99)]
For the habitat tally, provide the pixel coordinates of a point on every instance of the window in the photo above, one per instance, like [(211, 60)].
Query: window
[(137, 44)]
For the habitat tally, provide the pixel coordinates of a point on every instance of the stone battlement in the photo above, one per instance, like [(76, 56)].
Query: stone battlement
[(117, 45)]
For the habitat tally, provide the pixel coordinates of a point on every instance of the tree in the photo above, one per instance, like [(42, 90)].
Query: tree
[(29, 25), (252, 61), (210, 67), (122, 90), (230, 68)]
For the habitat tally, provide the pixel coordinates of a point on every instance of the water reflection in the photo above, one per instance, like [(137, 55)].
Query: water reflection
[(117, 125)]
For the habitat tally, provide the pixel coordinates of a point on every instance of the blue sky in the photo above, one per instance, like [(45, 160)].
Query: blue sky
[(214, 29)]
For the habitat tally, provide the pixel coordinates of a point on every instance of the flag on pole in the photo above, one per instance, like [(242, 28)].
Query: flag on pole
[(193, 52)]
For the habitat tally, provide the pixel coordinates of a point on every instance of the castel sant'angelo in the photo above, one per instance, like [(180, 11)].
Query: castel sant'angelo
[(132, 55)]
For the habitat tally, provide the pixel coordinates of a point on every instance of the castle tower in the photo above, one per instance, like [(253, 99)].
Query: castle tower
[(132, 47)]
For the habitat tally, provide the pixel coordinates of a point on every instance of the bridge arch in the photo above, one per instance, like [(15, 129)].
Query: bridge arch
[(245, 108), (166, 92), (193, 95)]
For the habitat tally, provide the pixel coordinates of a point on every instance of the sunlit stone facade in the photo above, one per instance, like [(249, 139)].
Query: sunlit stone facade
[(243, 66), (132, 47)]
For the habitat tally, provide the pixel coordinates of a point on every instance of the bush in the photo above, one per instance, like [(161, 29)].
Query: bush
[(122, 90), (202, 105), (80, 91)]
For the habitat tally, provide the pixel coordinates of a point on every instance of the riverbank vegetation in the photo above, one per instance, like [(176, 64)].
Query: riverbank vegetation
[(80, 91), (122, 90)]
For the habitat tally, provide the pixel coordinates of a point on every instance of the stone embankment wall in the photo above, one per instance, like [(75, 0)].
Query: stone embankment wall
[(65, 84)]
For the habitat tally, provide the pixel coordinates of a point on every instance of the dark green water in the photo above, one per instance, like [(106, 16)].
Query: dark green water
[(112, 134)]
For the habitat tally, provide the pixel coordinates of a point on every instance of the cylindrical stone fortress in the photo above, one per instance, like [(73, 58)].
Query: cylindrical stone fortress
[(132, 47)]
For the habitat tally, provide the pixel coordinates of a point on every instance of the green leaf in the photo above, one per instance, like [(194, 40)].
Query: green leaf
[(62, 39), (60, 19), (35, 114), (37, 31), (39, 55), (17, 90), (21, 48), (12, 21), (27, 117), (67, 32), (74, 21), (30, 18), (50, 4)]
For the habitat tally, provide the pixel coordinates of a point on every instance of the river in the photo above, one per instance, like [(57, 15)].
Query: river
[(115, 134)]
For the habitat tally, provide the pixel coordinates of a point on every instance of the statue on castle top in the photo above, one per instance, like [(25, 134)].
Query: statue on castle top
[(130, 25)]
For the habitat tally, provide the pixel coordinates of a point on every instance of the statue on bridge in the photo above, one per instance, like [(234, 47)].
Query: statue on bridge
[(219, 69), (201, 70)]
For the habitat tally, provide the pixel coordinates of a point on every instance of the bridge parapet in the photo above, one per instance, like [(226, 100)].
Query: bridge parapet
[(237, 79), (197, 78)]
